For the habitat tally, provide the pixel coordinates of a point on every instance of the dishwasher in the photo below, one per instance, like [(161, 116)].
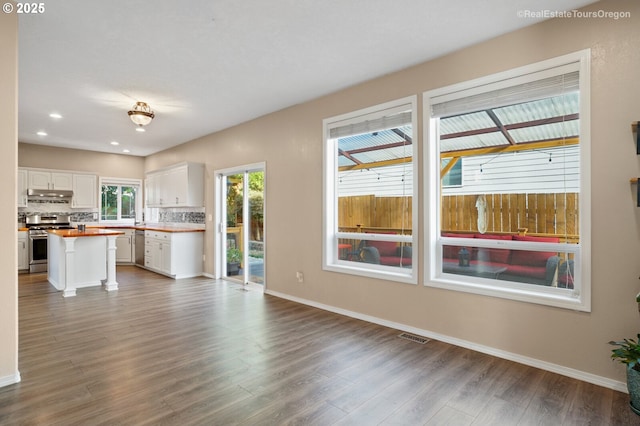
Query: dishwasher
[(139, 248)]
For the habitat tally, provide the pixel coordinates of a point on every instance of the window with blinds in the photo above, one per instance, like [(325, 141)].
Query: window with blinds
[(516, 224), (369, 192)]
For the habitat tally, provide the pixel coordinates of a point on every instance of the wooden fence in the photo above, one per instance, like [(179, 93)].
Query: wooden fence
[(369, 211), (539, 214), (542, 214)]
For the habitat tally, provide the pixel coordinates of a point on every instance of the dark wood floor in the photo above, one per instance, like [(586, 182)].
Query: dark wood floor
[(199, 351)]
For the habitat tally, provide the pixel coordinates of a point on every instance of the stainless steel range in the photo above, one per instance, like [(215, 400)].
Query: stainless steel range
[(38, 226)]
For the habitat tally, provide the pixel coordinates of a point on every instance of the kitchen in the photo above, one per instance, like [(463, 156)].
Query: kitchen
[(64, 196)]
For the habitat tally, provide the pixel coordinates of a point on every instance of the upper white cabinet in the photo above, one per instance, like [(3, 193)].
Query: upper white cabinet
[(150, 190), (178, 186), (41, 179), (23, 181), (83, 185), (85, 191)]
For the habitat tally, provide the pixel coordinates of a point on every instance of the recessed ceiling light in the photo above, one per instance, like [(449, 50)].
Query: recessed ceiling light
[(140, 129), (126, 151), (55, 115), (114, 143), (41, 133)]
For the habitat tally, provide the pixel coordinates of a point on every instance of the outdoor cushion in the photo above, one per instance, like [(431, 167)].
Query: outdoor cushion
[(395, 261), (385, 248), (526, 271), (494, 255), (532, 258)]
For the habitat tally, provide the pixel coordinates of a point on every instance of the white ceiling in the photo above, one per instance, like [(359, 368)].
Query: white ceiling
[(205, 65)]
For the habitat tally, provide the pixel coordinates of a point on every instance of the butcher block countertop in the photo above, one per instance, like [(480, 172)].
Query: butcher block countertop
[(149, 227), (72, 233)]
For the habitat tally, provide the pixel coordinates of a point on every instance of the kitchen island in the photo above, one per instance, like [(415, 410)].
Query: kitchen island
[(84, 258)]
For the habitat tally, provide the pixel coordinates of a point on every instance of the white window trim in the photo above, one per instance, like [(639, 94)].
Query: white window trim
[(330, 256), (121, 182), (579, 299)]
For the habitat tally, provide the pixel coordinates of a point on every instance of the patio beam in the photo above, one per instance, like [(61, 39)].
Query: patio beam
[(348, 155), (448, 167), (523, 146), (492, 115), (533, 123), (376, 164), (403, 135), (374, 148)]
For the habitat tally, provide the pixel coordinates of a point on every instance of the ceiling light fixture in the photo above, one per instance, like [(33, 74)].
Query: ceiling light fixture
[(55, 115), (114, 143), (141, 114), (42, 133)]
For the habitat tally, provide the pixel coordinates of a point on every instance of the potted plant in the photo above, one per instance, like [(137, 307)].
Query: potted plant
[(234, 257), (628, 353)]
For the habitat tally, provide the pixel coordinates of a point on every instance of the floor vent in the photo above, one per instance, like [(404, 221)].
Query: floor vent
[(413, 338)]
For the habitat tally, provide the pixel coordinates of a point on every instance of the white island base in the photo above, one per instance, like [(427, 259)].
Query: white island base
[(82, 259)]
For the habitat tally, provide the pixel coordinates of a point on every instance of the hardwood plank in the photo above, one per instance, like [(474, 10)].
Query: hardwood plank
[(448, 416), (551, 401), (497, 411), (200, 351), (591, 405)]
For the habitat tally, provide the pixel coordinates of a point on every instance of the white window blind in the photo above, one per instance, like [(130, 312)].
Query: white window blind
[(370, 126), (508, 92)]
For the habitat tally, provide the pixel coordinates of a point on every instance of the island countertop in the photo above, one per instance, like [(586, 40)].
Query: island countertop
[(90, 232)]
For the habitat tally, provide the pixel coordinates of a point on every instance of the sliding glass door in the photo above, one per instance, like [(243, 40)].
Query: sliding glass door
[(241, 252)]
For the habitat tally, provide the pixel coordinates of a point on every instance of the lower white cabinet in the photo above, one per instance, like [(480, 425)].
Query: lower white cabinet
[(125, 246), (23, 251), (176, 254)]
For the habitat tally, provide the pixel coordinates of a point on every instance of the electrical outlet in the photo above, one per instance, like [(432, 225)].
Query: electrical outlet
[(300, 277)]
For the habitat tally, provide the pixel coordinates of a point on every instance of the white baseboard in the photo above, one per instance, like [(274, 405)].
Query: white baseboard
[(10, 380), (532, 362)]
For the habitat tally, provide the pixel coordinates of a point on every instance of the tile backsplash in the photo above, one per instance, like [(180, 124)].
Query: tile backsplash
[(176, 215), (184, 216)]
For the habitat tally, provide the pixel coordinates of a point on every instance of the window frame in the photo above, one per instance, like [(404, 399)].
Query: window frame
[(575, 299), (331, 260), (120, 182)]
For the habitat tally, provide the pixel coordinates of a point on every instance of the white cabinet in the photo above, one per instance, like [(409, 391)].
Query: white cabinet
[(125, 246), (178, 186), (150, 190), (23, 181), (23, 251), (85, 191), (83, 185), (42, 179), (157, 253), (39, 179), (176, 254)]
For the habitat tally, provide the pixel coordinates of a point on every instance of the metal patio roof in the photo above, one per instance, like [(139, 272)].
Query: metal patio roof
[(544, 123)]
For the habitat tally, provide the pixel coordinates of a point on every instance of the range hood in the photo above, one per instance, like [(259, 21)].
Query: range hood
[(49, 194)]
